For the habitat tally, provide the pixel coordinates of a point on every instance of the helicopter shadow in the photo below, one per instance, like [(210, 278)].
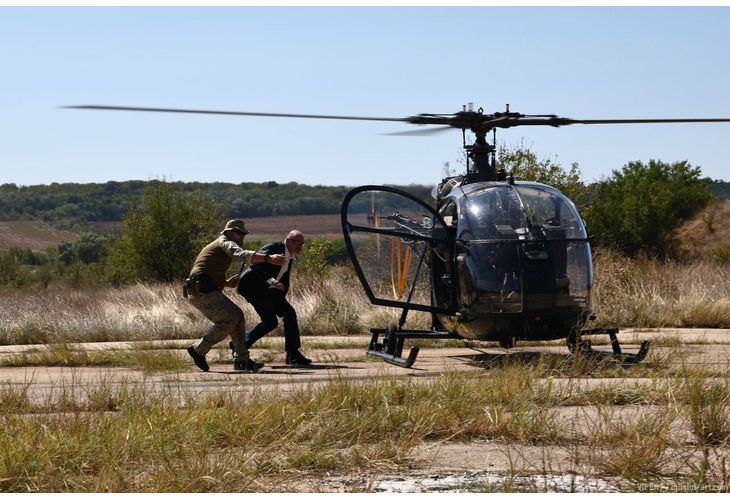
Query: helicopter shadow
[(286, 370), (583, 361), (281, 369), (307, 367)]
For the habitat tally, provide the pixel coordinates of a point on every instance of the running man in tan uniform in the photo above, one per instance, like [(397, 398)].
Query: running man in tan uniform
[(204, 290)]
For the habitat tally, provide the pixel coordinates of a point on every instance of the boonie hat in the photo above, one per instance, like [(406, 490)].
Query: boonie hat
[(235, 225)]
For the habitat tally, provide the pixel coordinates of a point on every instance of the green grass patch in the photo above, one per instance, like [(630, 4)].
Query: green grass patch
[(64, 355)]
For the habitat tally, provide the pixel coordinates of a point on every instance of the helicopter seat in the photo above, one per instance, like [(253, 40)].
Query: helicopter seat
[(505, 231)]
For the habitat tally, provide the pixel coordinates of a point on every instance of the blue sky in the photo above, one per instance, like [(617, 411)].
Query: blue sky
[(577, 62)]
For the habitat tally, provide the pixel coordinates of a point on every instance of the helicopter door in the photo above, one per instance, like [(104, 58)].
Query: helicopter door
[(393, 239)]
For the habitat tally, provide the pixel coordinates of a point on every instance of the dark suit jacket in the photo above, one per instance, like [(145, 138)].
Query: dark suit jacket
[(254, 281)]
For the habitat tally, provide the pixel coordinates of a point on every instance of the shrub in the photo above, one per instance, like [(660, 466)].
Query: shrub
[(162, 236), (320, 254), (11, 271), (640, 208)]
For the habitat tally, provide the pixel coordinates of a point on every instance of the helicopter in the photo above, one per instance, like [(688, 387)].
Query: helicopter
[(491, 259)]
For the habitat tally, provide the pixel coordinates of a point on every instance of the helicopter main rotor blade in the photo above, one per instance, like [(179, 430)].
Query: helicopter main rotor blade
[(556, 121), (428, 131), (234, 113), (468, 120)]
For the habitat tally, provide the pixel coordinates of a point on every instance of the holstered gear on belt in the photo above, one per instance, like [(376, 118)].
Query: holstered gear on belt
[(197, 284)]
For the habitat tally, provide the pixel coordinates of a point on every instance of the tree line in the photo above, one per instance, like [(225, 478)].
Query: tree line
[(637, 210), (71, 205)]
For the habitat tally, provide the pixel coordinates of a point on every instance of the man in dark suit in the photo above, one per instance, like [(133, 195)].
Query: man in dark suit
[(264, 285)]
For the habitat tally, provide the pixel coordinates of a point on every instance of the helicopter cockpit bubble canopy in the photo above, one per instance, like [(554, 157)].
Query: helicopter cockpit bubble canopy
[(520, 246), (525, 211)]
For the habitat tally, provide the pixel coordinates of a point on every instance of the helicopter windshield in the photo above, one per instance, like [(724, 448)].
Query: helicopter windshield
[(550, 211), (525, 247), (525, 212)]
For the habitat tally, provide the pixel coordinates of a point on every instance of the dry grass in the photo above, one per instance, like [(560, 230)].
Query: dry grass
[(635, 450), (640, 293), (333, 306), (707, 231), (127, 438), (708, 411), (647, 293), (131, 439)]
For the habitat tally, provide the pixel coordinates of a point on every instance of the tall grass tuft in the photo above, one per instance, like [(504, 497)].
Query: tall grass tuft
[(708, 410), (636, 450)]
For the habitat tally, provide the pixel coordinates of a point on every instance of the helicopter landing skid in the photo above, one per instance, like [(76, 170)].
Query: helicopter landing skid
[(391, 347), (577, 344)]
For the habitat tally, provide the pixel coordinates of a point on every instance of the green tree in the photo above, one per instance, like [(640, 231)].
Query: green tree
[(91, 247), (525, 165), (162, 236), (640, 208), (66, 252)]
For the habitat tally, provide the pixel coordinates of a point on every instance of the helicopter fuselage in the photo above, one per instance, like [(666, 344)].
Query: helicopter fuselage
[(506, 260), (520, 265)]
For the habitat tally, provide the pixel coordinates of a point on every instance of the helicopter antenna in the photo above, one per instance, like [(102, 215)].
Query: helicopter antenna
[(494, 143), (463, 138), (463, 144)]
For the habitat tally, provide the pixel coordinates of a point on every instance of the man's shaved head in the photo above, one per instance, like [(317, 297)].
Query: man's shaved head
[(294, 241), (295, 234)]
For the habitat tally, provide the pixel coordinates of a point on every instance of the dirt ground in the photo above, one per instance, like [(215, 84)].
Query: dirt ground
[(447, 466)]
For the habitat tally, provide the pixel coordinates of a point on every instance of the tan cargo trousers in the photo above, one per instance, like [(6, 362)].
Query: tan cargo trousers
[(227, 320)]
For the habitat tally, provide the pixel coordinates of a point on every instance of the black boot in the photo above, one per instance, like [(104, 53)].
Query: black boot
[(198, 359), (296, 358), (233, 348), (249, 365)]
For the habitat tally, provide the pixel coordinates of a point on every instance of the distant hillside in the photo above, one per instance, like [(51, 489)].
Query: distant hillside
[(35, 235), (721, 189), (38, 235), (70, 205)]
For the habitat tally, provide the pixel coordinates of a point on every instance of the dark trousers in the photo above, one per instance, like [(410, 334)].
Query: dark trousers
[(268, 306)]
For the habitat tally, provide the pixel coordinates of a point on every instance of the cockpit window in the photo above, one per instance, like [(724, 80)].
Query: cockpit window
[(495, 213), (521, 212), (552, 212)]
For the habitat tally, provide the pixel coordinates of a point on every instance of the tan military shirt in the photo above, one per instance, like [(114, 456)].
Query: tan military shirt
[(215, 259)]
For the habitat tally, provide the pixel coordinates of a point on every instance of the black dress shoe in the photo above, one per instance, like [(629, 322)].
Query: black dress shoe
[(248, 366), (296, 358), (198, 359)]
